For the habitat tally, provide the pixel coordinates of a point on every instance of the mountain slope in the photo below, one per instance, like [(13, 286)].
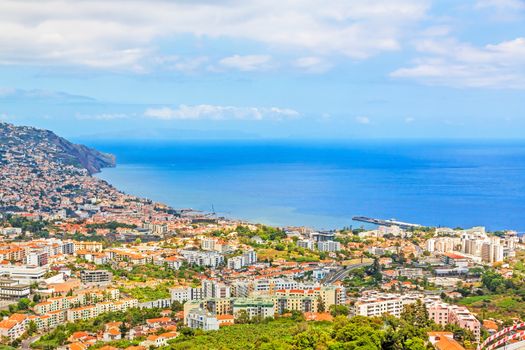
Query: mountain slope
[(56, 149)]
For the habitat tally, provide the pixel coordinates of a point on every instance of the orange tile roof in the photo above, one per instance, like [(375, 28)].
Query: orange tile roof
[(8, 324), (77, 346), (113, 324), (489, 324), (79, 335), (444, 342), (318, 316), (454, 256), (113, 331), (169, 335), (18, 317), (448, 344), (159, 320), (225, 317)]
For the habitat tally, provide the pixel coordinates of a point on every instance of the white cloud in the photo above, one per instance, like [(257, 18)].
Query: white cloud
[(312, 64), (112, 34), (409, 120), (502, 10), (182, 64), (452, 63), (362, 120), (500, 4), (212, 112), (246, 63)]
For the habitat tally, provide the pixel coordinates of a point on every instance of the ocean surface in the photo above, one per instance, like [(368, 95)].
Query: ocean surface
[(324, 184)]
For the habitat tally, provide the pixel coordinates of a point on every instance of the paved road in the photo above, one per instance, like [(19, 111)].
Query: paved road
[(342, 272), (26, 344)]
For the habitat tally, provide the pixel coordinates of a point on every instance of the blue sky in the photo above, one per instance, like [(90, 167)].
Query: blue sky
[(265, 68)]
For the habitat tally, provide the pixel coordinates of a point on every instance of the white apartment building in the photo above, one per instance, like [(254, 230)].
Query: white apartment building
[(214, 289), (183, 294), (208, 259), (258, 307), (491, 252), (246, 259), (381, 303), (329, 246), (200, 319), (24, 274), (306, 243), (208, 244)]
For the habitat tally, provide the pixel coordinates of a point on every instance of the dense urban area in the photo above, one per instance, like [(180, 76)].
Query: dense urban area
[(85, 266)]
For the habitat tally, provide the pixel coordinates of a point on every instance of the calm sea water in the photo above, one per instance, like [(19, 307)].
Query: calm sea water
[(324, 184)]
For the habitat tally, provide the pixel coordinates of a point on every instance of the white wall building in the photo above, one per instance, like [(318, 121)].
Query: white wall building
[(200, 319)]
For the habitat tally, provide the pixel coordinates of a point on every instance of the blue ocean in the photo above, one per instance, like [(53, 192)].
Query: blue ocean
[(325, 184)]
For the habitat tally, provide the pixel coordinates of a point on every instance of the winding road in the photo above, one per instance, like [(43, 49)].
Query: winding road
[(342, 272)]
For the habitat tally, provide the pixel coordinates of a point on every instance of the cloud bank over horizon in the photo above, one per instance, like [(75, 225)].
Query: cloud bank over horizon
[(391, 68)]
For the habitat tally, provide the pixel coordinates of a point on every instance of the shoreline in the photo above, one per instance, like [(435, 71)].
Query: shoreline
[(246, 187)]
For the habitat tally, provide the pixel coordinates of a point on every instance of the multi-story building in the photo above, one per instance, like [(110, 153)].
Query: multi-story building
[(201, 319), (246, 259), (302, 303), (306, 244), (444, 314), (208, 259), (23, 274), (410, 272), (208, 244), (445, 244), (11, 289), (14, 326), (379, 304), (183, 294), (214, 289), (89, 246), (91, 311), (37, 258), (491, 252), (95, 276), (327, 295), (68, 248), (254, 307), (173, 262), (455, 259), (219, 306), (241, 289), (329, 246), (322, 236), (80, 299)]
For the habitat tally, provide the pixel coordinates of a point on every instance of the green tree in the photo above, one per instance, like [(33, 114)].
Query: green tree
[(416, 314), (314, 339), (123, 328), (242, 317), (32, 327), (414, 344), (23, 304), (321, 306), (339, 310)]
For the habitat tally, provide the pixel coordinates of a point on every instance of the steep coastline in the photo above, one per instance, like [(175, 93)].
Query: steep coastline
[(61, 149)]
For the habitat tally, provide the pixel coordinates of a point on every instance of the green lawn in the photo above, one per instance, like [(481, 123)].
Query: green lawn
[(499, 306), (476, 299)]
